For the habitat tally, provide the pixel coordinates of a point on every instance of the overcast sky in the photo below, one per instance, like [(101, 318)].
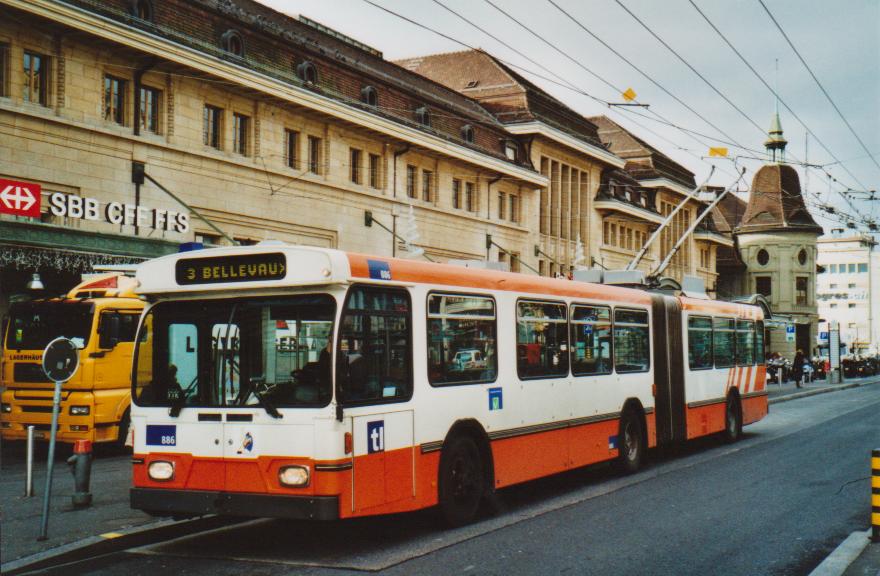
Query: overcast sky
[(839, 40)]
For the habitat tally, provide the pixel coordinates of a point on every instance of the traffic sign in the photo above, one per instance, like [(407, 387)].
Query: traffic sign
[(19, 198), (789, 333), (60, 359)]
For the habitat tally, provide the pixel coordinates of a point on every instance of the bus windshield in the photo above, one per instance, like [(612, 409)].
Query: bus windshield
[(225, 353), (32, 325)]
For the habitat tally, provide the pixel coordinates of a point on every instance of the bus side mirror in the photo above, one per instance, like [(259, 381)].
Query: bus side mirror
[(109, 331)]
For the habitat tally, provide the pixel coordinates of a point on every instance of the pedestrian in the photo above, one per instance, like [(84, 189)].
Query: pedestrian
[(798, 367)]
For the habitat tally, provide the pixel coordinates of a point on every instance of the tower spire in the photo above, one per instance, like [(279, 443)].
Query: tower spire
[(775, 144)]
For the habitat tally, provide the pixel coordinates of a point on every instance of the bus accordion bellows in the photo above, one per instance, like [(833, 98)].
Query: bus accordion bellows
[(287, 381)]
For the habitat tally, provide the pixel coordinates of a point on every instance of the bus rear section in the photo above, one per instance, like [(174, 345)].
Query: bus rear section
[(101, 318)]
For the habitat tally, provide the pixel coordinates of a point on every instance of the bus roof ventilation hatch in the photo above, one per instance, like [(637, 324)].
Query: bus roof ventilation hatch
[(629, 278), (593, 276), (694, 287), (481, 264)]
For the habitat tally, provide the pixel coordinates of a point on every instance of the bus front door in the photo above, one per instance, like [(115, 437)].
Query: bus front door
[(383, 459)]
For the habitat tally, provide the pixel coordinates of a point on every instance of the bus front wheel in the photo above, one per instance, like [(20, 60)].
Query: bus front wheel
[(462, 481)]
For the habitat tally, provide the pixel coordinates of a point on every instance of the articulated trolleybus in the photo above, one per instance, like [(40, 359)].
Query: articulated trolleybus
[(286, 381)]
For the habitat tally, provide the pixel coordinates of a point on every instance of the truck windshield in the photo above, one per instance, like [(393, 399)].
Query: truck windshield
[(269, 352), (32, 325)]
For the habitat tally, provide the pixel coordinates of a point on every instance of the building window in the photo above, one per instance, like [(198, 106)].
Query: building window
[(801, 284), (375, 171), (851, 285), (834, 305), (863, 267), (427, 185), (851, 268), (832, 286), (233, 43), (411, 181), (369, 96), (307, 72), (469, 196), (355, 165), (423, 117), (851, 305), (763, 286), (514, 208), (502, 205), (211, 126), (832, 269), (240, 126), (763, 257), (802, 257), (467, 133), (4, 67), (456, 194), (291, 149), (143, 9), (148, 115), (314, 155), (35, 87), (114, 100), (511, 150)]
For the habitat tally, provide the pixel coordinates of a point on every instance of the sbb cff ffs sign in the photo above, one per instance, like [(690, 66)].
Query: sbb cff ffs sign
[(19, 198)]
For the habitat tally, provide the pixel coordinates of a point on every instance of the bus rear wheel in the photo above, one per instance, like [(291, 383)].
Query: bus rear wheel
[(732, 420), (631, 443), (462, 481)]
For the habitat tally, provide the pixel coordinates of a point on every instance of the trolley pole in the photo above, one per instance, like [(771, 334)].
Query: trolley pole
[(875, 495), (29, 481), (56, 407)]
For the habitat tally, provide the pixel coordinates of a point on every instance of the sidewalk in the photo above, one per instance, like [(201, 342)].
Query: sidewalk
[(111, 524)]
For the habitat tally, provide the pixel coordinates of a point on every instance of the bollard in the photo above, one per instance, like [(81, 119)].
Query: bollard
[(29, 479), (875, 495), (81, 468)]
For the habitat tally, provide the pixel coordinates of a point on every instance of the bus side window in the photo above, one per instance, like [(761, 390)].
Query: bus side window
[(699, 343), (590, 340), (724, 340), (541, 339), (759, 342), (745, 342), (632, 348), (374, 352)]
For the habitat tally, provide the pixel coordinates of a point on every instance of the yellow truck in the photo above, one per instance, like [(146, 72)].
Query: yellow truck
[(100, 315)]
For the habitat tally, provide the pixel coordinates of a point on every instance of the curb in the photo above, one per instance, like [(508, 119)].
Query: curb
[(816, 391), (115, 541), (838, 561)]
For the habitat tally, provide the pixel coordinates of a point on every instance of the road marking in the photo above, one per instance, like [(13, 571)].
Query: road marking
[(109, 535)]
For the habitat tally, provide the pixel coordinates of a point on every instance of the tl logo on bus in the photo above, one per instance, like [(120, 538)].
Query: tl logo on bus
[(375, 436)]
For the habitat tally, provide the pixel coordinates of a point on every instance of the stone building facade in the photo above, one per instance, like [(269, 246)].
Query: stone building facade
[(268, 126)]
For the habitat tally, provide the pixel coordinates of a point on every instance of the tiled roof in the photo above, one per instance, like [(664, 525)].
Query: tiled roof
[(511, 97), (728, 213), (643, 160), (776, 203)]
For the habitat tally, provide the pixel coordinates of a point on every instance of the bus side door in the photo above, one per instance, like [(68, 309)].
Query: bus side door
[(383, 463)]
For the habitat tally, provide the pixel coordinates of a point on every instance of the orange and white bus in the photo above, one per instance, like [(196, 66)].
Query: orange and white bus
[(288, 381)]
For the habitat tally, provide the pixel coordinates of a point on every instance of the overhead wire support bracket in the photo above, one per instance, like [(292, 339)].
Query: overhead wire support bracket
[(632, 104)]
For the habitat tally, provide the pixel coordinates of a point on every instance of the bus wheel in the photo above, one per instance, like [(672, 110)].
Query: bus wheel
[(462, 481), (732, 420), (124, 424), (631, 443)]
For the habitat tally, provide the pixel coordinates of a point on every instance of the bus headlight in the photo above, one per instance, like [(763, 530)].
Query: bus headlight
[(161, 470), (6, 408), (297, 476), (79, 410)]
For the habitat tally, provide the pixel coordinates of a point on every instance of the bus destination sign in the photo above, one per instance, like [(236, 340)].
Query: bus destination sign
[(221, 269)]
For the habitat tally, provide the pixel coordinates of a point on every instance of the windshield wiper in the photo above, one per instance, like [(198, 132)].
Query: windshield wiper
[(267, 406), (177, 406)]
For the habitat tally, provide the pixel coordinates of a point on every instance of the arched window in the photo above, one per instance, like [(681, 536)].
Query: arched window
[(422, 116), (307, 72), (142, 9), (763, 257), (233, 43), (467, 133), (802, 257), (369, 96)]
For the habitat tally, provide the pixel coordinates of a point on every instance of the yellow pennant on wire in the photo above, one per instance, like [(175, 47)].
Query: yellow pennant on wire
[(629, 95), (717, 151)]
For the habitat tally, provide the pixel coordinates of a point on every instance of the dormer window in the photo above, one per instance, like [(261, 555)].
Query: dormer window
[(369, 96), (233, 43), (307, 72), (142, 9), (467, 133), (422, 116), (511, 150)]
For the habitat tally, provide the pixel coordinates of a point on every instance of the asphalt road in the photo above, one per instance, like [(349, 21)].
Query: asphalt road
[(776, 503)]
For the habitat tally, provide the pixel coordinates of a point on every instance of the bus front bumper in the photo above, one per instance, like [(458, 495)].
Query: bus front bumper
[(201, 502)]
